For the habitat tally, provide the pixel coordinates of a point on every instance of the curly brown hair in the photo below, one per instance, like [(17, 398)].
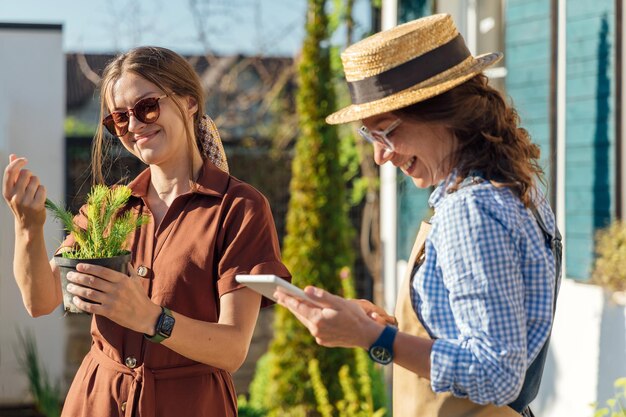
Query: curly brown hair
[(490, 139)]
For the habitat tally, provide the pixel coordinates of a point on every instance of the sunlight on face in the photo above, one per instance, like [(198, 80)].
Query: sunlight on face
[(421, 150), (163, 142)]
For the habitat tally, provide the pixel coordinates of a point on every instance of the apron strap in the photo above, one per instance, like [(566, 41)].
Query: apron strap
[(535, 370)]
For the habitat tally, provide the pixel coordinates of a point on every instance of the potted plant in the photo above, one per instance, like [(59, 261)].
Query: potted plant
[(103, 240)]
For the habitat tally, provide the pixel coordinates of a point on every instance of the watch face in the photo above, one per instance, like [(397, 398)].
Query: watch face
[(381, 355), (167, 325)]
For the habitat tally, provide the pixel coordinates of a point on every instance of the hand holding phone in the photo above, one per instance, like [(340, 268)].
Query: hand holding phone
[(266, 285)]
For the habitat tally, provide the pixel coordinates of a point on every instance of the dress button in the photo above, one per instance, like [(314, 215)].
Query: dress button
[(142, 271), (123, 407), (131, 362)]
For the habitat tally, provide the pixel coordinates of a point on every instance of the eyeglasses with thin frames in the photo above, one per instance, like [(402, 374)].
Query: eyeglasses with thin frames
[(380, 136)]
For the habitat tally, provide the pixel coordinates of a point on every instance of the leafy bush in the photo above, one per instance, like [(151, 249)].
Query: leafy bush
[(371, 388), (245, 409), (106, 232), (357, 398), (74, 127), (610, 266), (616, 406), (260, 384)]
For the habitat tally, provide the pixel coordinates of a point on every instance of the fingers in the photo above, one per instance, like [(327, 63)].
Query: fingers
[(379, 315), (39, 199), (81, 281), (117, 296), (91, 293), (376, 313), (20, 187), (11, 173), (31, 190), (86, 305), (23, 179), (26, 189), (324, 297), (102, 272), (384, 320), (303, 311), (84, 293), (317, 320)]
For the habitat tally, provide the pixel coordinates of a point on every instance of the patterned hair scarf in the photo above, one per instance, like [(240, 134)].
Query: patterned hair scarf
[(211, 143)]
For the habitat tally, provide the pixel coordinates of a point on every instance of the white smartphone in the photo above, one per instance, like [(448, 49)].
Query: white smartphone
[(267, 284)]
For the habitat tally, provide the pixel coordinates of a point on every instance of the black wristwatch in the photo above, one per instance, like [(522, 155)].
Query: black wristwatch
[(164, 326), (381, 350)]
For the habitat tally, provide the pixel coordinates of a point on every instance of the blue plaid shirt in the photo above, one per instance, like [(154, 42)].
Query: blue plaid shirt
[(485, 290)]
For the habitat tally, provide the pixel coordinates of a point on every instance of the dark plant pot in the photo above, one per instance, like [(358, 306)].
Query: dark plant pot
[(117, 263)]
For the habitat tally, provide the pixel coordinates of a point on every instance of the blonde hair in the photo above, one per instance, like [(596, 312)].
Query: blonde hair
[(164, 68)]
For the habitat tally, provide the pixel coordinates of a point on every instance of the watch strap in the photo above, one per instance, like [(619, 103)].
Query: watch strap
[(384, 341), (159, 336)]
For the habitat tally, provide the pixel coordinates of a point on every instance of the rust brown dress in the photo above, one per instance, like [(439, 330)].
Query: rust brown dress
[(208, 236)]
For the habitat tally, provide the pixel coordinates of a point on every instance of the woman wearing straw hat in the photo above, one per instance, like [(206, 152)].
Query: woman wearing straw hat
[(476, 309)]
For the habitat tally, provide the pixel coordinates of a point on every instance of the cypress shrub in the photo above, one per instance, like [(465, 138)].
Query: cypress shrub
[(317, 245)]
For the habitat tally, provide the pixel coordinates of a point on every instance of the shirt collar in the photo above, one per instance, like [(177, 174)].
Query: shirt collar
[(437, 196), (440, 193), (211, 181)]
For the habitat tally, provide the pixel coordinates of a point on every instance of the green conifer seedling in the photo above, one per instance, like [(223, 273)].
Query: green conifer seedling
[(107, 228)]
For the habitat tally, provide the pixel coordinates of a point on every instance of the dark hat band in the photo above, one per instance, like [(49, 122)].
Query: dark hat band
[(409, 73)]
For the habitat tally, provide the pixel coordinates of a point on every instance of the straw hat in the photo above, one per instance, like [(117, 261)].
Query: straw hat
[(405, 65)]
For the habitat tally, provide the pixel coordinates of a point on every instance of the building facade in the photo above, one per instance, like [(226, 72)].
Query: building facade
[(32, 109)]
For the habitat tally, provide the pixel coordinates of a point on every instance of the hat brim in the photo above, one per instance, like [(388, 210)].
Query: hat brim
[(417, 93)]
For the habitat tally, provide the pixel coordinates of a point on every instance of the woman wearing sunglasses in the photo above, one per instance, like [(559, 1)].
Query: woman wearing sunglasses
[(475, 311), (167, 338)]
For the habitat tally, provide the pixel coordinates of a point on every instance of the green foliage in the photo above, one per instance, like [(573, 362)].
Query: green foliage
[(337, 16), (610, 266), (350, 162), (616, 406), (245, 409), (357, 398), (259, 385), (75, 127), (106, 231), (46, 394), (320, 391), (350, 147), (371, 383), (317, 247), (318, 241)]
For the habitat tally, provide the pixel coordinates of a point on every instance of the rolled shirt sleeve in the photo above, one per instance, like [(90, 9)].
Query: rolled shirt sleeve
[(248, 241)]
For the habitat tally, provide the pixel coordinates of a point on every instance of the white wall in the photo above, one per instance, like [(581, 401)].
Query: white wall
[(587, 352), (32, 110)]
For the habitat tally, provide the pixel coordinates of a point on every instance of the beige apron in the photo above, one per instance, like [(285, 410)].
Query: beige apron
[(412, 395)]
